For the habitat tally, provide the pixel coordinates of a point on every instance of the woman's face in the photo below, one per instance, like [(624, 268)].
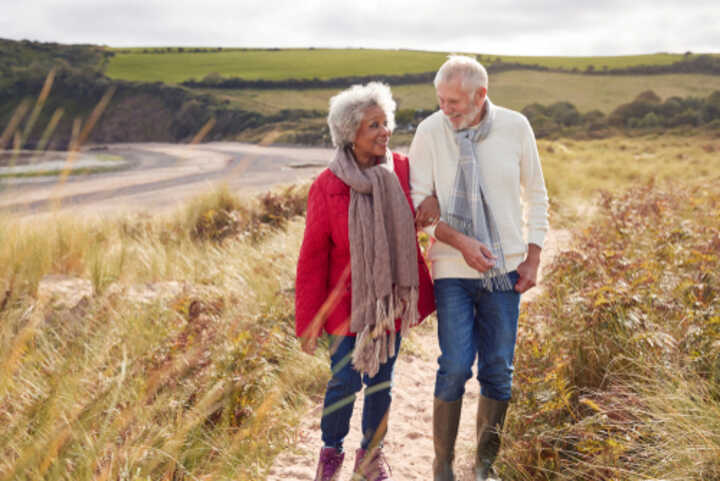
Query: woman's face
[(373, 135)]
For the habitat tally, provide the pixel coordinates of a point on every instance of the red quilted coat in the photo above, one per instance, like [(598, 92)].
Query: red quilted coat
[(322, 291)]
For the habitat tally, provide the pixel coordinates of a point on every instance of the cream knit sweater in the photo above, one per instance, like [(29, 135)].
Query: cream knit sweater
[(515, 186)]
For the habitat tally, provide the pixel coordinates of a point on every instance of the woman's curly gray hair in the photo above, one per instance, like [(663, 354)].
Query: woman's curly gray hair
[(347, 110)]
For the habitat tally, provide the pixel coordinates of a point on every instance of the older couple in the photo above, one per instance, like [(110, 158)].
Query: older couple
[(475, 176)]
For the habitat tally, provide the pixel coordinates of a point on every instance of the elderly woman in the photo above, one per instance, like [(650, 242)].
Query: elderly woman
[(360, 275)]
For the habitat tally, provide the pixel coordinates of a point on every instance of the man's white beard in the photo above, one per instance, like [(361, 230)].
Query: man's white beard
[(466, 120)]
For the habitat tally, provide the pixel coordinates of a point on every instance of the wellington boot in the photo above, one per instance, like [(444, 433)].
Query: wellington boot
[(490, 420), (446, 416)]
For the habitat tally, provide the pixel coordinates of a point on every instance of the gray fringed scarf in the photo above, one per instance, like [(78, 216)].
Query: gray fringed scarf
[(383, 260), (468, 209)]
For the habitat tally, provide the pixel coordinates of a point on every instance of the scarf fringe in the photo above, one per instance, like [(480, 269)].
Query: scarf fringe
[(495, 280), (375, 344)]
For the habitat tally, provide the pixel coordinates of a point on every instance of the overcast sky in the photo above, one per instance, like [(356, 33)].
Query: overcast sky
[(523, 27)]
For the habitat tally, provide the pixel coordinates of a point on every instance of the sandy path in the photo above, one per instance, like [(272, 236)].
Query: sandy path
[(408, 445)]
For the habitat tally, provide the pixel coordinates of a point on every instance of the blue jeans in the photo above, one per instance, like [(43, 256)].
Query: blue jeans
[(475, 322), (340, 395)]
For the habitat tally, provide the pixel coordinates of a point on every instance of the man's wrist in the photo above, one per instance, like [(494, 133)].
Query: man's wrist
[(448, 235), (533, 255)]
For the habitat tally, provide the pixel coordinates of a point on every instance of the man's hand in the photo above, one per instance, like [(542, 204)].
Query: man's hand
[(428, 212), (476, 254), (528, 270)]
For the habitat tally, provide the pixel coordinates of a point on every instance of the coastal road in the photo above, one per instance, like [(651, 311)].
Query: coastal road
[(162, 176)]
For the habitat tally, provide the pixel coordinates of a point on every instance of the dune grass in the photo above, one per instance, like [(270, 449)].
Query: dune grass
[(175, 66), (514, 89), (618, 362), (576, 171), (151, 348)]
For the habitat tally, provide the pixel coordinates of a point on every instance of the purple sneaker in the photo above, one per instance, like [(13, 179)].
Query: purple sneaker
[(329, 464), (372, 468)]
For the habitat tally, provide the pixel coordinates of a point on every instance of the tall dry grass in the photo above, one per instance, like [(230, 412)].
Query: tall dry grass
[(619, 361), (142, 348), (146, 348), (577, 171)]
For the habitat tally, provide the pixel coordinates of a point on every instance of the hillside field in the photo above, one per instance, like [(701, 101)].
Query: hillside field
[(176, 67), (515, 89)]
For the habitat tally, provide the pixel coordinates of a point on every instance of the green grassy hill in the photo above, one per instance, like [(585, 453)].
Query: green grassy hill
[(283, 93), (514, 89), (175, 66)]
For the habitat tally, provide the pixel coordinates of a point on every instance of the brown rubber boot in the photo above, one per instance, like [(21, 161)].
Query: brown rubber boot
[(490, 420), (446, 416)]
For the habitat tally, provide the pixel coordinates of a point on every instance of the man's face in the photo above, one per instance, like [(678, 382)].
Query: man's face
[(462, 108)]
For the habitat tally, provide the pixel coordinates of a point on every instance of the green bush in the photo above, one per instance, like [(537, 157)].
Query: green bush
[(565, 113), (649, 121)]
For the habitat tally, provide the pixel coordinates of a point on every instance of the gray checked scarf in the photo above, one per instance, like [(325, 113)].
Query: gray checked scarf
[(383, 259), (468, 209)]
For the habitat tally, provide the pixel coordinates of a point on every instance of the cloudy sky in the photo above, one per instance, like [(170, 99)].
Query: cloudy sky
[(522, 27)]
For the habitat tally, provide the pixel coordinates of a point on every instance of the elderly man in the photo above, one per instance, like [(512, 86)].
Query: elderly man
[(480, 162)]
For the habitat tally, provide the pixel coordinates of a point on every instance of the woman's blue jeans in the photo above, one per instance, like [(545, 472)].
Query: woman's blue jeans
[(340, 395), (474, 322)]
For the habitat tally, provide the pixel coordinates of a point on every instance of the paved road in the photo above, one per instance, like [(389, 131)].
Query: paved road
[(162, 176)]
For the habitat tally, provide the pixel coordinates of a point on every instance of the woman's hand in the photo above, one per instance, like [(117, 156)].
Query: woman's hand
[(309, 344), (428, 212)]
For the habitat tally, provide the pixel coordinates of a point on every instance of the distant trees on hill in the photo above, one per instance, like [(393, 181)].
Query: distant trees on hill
[(647, 111), (705, 64), (162, 50), (216, 80), (24, 59)]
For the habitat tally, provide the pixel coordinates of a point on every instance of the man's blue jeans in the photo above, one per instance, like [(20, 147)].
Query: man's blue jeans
[(340, 396), (475, 322)]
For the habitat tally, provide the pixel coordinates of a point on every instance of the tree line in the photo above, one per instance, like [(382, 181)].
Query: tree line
[(646, 111)]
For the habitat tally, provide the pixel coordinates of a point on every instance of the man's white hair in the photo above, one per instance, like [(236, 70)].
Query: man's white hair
[(471, 72), (347, 110)]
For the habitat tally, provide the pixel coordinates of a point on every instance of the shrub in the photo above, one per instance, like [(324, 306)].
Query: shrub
[(595, 120), (648, 96), (649, 121), (687, 117), (619, 372), (565, 113), (544, 126), (221, 215), (213, 78)]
